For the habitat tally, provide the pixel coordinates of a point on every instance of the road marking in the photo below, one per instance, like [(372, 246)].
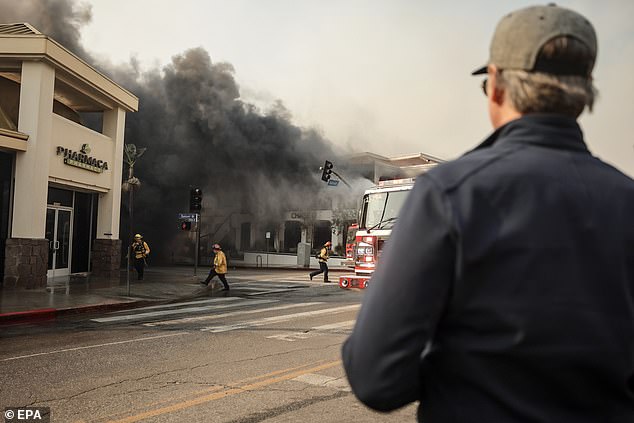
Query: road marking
[(271, 291), (214, 388), (170, 312), (149, 338), (230, 314), (323, 380), (290, 285), (316, 331), (213, 300), (265, 288), (278, 319), (223, 394)]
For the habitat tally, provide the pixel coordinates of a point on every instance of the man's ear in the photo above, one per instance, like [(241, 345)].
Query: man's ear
[(497, 92)]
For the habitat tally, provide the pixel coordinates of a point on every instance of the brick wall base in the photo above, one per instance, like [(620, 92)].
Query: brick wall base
[(106, 258), (26, 263)]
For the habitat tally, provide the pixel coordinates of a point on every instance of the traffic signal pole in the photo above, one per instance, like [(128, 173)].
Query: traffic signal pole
[(327, 169), (197, 243), (341, 179), (195, 206)]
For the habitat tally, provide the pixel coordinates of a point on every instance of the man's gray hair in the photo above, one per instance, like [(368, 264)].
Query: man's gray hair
[(537, 92)]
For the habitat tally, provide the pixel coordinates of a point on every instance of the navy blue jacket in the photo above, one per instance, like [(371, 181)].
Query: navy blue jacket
[(506, 291)]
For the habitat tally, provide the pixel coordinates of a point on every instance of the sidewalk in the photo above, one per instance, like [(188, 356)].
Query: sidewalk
[(78, 294)]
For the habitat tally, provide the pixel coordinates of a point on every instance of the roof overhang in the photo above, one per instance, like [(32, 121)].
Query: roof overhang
[(13, 140), (73, 75)]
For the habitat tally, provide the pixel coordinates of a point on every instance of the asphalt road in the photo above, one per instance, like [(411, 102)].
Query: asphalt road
[(269, 350)]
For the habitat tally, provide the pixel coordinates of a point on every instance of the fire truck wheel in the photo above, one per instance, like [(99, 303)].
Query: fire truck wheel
[(344, 283), (365, 284)]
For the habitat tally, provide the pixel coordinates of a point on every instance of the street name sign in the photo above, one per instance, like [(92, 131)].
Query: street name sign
[(188, 217)]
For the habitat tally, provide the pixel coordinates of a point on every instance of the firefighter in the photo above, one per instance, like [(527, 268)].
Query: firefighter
[(140, 251), (323, 255), (218, 267)]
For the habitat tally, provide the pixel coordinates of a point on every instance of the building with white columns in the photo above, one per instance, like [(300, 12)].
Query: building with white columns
[(60, 180)]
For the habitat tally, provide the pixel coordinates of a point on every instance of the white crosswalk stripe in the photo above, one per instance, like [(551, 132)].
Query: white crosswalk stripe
[(172, 311), (208, 301), (333, 328), (229, 314), (251, 288), (278, 319), (264, 288), (315, 379)]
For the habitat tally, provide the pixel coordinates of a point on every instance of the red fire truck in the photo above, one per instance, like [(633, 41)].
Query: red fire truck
[(379, 211), (350, 243)]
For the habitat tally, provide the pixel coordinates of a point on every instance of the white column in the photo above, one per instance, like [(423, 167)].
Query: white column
[(336, 238), (110, 202), (35, 119)]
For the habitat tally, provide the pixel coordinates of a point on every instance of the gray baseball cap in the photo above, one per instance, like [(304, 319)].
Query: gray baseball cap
[(520, 36)]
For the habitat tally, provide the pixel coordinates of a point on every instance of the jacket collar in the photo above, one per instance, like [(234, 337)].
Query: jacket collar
[(547, 130)]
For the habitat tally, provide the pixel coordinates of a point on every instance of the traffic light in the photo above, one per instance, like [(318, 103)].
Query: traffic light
[(186, 226), (195, 200), (326, 171)]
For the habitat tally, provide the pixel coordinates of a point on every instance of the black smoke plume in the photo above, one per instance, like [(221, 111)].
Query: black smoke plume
[(198, 132), (60, 19)]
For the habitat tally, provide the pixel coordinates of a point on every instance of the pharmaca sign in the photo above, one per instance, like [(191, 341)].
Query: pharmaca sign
[(82, 159)]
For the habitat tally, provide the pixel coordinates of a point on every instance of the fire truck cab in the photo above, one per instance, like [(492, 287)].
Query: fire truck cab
[(379, 211)]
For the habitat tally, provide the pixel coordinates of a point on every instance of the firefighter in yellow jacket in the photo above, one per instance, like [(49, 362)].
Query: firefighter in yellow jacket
[(323, 256), (218, 267), (140, 250)]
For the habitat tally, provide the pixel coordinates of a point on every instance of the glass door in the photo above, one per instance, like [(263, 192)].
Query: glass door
[(59, 234)]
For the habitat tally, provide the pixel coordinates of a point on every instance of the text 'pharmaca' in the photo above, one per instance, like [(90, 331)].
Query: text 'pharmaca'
[(84, 161)]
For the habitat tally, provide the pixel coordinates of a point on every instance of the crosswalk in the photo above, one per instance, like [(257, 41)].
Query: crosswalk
[(171, 309), (277, 319), (227, 314), (250, 288)]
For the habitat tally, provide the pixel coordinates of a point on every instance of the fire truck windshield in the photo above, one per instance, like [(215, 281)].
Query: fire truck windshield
[(380, 209)]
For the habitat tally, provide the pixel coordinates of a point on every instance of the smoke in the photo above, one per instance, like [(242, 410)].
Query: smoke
[(199, 133), (61, 19)]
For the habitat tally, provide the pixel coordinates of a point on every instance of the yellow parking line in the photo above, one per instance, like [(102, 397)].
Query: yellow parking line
[(222, 394)]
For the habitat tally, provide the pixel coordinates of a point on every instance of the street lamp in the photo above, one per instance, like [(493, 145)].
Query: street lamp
[(131, 154)]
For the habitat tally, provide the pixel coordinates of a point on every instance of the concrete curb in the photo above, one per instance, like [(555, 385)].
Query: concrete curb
[(47, 314), (28, 315), (53, 313)]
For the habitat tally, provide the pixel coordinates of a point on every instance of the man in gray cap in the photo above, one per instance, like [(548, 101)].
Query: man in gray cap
[(516, 300)]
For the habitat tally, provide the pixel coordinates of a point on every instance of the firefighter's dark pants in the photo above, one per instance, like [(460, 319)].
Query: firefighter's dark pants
[(323, 268), (139, 265), (221, 276)]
